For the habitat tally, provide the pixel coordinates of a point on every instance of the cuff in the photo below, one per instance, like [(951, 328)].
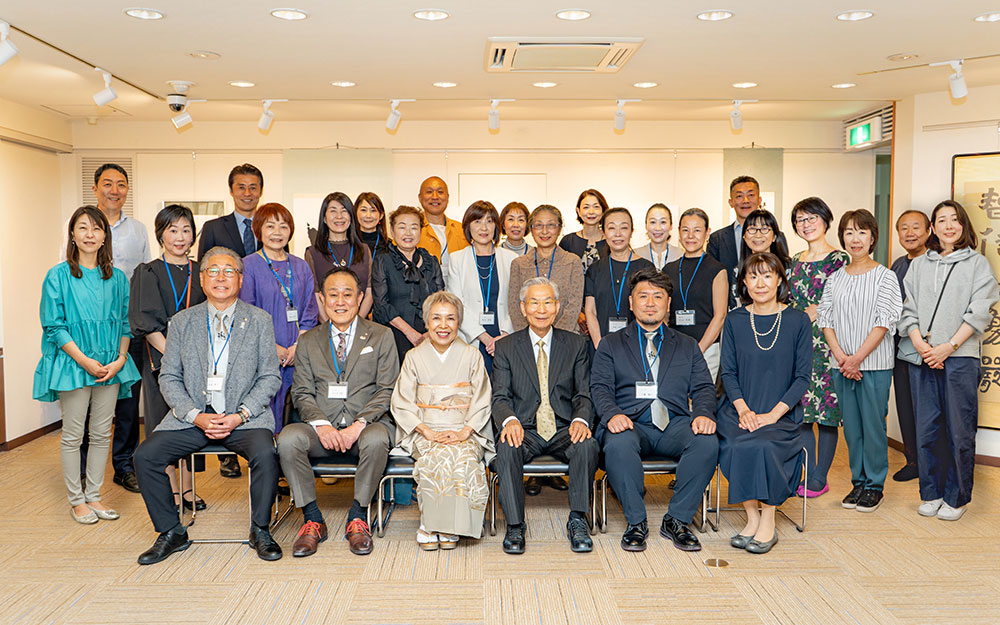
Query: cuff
[(190, 416), (318, 422), (507, 420), (583, 421)]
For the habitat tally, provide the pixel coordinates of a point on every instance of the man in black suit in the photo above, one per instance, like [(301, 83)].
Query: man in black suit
[(246, 183), (724, 244), (655, 396), (557, 421)]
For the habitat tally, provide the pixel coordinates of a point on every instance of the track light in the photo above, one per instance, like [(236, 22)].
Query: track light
[(184, 119), (107, 94), (267, 117), (957, 80), (620, 113), (7, 49), (494, 115), (736, 115), (392, 122)]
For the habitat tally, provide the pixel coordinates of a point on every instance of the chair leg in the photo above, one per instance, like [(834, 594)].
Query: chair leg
[(493, 480), (592, 525), (604, 503), (194, 495)]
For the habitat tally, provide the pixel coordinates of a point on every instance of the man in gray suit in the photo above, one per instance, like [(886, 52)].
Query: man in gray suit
[(344, 375), (218, 375), (557, 421)]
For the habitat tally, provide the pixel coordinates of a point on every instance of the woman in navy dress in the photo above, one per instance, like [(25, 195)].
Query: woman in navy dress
[(766, 368)]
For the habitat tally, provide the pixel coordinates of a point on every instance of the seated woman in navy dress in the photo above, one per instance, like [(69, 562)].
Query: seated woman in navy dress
[(766, 366)]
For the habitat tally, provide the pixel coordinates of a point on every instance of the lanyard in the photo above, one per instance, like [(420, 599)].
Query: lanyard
[(177, 300), (552, 261), (337, 262), (680, 279), (611, 270), (333, 353), (287, 291), (489, 284), (211, 341), (642, 351), (378, 237)]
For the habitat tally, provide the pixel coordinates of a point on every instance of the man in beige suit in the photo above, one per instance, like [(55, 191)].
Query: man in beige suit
[(344, 374)]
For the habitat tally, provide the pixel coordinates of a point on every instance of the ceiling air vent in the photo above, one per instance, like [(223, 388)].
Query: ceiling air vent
[(559, 54)]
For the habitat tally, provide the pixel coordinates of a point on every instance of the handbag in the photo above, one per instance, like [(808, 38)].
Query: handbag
[(906, 350)]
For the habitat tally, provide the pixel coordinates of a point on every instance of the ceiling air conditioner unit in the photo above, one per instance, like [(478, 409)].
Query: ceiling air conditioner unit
[(868, 131), (560, 54)]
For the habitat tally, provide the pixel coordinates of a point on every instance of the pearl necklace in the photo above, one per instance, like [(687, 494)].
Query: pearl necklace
[(775, 327)]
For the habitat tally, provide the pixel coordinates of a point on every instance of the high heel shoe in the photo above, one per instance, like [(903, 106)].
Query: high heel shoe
[(198, 504)]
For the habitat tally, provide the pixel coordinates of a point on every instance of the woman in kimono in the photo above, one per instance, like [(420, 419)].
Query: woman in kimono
[(441, 404)]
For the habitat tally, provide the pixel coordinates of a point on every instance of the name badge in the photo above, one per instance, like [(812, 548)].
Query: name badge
[(487, 319), (617, 323), (645, 390), (337, 390), (291, 315), (685, 317), (214, 383)]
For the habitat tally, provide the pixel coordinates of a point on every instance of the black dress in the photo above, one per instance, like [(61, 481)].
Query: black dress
[(694, 292), (376, 243), (605, 280), (578, 245), (765, 464), (399, 289)]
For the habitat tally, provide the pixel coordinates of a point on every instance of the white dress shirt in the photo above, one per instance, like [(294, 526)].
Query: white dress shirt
[(335, 333), (547, 346)]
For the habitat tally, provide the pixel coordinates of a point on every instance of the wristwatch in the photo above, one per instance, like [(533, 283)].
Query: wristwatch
[(361, 420), (245, 414), (954, 345)]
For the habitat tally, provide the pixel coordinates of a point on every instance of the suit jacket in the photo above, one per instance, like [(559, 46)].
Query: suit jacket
[(515, 379), (453, 233), (463, 281), (722, 247), (683, 375), (252, 376), (222, 231), (370, 372)]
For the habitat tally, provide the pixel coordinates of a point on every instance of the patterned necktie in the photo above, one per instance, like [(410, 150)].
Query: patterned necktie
[(249, 242), (659, 412), (221, 321), (341, 347), (545, 418)]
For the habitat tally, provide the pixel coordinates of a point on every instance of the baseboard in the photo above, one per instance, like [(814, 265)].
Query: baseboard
[(30, 436), (986, 461), (897, 445)]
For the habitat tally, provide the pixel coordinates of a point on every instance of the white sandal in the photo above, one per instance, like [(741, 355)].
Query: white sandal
[(448, 541), (427, 541)]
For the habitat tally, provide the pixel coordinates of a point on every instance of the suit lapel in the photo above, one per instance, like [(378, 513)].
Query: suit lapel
[(362, 334), (636, 347), (201, 339), (526, 351), (236, 340), (557, 356), (667, 349)]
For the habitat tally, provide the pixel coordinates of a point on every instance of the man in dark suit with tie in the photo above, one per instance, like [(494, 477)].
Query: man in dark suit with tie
[(655, 396), (557, 421), (724, 244)]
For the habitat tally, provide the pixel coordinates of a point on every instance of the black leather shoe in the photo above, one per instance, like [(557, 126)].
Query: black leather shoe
[(533, 486), (556, 483), (267, 549), (907, 473), (634, 538), (166, 544), (229, 466), (198, 504), (513, 540), (127, 481), (579, 536), (679, 533)]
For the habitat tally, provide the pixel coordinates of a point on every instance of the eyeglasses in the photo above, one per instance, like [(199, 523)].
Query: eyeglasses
[(808, 219), (545, 226), (213, 272), (758, 230), (532, 304)]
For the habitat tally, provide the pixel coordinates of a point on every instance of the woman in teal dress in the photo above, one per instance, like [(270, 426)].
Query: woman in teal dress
[(807, 275), (85, 363)]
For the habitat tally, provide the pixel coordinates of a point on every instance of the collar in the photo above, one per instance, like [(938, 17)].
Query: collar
[(351, 329), (442, 357), (121, 219), (215, 312), (547, 339)]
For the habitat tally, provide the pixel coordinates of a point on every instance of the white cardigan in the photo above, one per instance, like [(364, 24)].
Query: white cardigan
[(463, 281)]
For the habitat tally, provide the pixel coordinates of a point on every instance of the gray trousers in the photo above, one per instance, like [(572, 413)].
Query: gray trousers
[(299, 446), (100, 400)]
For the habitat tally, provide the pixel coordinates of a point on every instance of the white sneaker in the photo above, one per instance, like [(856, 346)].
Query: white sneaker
[(930, 508), (947, 513)]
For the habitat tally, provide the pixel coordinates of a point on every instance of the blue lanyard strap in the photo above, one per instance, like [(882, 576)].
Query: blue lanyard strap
[(680, 279), (489, 284), (211, 341), (378, 237), (642, 351), (611, 270), (337, 262), (333, 353), (177, 300), (286, 290), (552, 261)]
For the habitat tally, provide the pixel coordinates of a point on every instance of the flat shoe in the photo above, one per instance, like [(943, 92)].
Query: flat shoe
[(447, 541), (427, 541), (755, 546), (105, 515), (740, 541), (88, 519)]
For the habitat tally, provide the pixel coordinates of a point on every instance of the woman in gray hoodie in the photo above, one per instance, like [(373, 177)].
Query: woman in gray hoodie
[(949, 293)]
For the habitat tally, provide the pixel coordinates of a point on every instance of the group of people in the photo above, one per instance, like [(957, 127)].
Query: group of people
[(413, 334)]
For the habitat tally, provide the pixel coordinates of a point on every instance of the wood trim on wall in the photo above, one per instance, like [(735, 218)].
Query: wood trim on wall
[(986, 461), (30, 436), (3, 403)]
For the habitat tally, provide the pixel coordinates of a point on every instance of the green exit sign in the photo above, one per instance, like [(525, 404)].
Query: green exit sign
[(860, 134)]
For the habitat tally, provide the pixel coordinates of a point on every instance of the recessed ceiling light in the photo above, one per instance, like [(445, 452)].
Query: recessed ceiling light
[(431, 15), (243, 84), (645, 85), (716, 15), (144, 14), (902, 56), (545, 85), (854, 16), (446, 85), (573, 15), (844, 85), (744, 85), (993, 16), (206, 55), (342, 83), (291, 15)]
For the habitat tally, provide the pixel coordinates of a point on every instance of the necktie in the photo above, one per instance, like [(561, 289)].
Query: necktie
[(249, 242), (341, 347), (220, 325), (545, 418), (661, 417)]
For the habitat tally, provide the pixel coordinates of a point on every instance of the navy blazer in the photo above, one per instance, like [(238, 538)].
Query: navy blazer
[(222, 231), (683, 375), (722, 247)]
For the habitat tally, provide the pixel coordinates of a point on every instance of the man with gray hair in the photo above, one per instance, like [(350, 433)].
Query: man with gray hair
[(541, 405)]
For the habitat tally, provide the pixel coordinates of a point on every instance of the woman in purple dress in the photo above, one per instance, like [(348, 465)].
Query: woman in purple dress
[(282, 285)]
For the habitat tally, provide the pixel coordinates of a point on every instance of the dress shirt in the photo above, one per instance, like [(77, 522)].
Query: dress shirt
[(352, 330), (129, 244), (217, 399), (738, 232), (442, 237), (547, 346)]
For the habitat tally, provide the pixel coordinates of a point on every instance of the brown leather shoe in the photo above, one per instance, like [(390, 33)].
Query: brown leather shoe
[(309, 538), (359, 537)]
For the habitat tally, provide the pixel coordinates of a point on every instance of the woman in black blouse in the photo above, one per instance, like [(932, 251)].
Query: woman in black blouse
[(589, 243), (370, 217), (160, 289)]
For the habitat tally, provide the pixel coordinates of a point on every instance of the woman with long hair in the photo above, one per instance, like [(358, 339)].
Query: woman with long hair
[(338, 243)]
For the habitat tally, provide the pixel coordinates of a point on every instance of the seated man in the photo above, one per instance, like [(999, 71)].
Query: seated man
[(556, 422), (642, 381), (218, 375), (344, 375)]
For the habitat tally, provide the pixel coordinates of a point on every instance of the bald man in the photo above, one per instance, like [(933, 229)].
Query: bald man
[(440, 236)]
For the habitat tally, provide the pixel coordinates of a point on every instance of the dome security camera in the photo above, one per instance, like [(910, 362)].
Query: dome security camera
[(177, 102)]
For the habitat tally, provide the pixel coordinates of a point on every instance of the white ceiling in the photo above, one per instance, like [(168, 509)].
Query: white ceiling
[(794, 50)]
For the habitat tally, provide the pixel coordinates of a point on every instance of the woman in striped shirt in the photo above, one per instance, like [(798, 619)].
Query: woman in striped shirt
[(858, 312)]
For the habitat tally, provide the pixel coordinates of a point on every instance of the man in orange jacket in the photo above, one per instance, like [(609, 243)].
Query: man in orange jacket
[(439, 228)]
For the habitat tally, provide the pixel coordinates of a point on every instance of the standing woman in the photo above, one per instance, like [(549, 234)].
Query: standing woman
[(589, 244), (605, 298), (949, 293), (339, 244), (370, 215), (281, 284), (85, 362), (479, 275), (698, 307), (808, 273), (551, 261), (766, 360), (659, 223), (160, 289), (514, 226), (402, 278), (858, 313)]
